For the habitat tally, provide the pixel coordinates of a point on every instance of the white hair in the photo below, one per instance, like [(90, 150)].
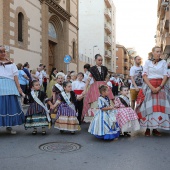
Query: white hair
[(60, 74)]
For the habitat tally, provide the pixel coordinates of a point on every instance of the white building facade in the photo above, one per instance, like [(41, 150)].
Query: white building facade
[(97, 32)]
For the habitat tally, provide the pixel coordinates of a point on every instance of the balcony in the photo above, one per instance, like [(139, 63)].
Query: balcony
[(126, 56), (166, 20), (108, 65), (166, 45), (126, 64), (108, 41), (108, 54), (108, 28), (108, 3), (107, 14)]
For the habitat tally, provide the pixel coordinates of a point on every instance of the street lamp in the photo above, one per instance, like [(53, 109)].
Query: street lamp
[(93, 49)]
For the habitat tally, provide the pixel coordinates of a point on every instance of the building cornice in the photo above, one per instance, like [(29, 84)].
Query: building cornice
[(56, 8)]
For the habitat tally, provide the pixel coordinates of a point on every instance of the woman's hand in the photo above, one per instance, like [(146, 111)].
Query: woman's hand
[(20, 90), (158, 89), (111, 107), (154, 90), (83, 93)]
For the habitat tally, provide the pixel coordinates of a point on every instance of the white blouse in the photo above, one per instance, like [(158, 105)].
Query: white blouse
[(8, 71), (78, 85), (155, 71)]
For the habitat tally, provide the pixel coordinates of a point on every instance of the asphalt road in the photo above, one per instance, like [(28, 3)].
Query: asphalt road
[(21, 152)]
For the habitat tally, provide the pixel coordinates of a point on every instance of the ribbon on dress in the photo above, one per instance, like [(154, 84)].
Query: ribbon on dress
[(126, 99), (66, 98)]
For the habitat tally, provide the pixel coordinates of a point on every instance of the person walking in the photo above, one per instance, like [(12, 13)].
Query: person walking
[(136, 80), (11, 113), (153, 101)]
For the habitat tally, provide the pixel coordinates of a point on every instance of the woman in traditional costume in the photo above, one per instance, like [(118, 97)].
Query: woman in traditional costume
[(11, 113), (104, 125), (98, 73), (126, 116), (153, 101)]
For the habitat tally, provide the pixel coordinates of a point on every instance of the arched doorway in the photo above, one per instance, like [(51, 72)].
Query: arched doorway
[(55, 44), (51, 46)]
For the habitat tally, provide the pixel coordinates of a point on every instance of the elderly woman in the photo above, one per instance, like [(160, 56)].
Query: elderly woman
[(11, 113), (153, 101)]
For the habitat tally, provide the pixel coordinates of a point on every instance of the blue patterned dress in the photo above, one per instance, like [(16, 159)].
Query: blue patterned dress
[(104, 123)]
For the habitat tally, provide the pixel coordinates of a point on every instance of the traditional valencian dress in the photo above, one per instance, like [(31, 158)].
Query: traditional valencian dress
[(11, 113), (37, 114), (126, 116), (66, 115), (154, 109), (104, 124), (98, 73)]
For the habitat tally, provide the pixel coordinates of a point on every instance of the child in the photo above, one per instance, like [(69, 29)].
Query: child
[(37, 114), (126, 116), (66, 118), (104, 123), (56, 90), (68, 79), (78, 87)]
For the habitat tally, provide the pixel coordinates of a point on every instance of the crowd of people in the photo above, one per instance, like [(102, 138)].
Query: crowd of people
[(95, 97)]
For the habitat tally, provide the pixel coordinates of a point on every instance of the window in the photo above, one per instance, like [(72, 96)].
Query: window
[(51, 31), (20, 26), (74, 50)]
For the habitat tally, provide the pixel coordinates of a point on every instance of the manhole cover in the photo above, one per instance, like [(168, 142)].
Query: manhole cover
[(61, 147)]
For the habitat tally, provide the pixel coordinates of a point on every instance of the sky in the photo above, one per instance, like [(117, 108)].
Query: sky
[(136, 22)]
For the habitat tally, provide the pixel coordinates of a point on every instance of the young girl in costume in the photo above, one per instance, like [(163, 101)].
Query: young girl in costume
[(104, 123), (55, 94), (126, 116), (37, 114), (66, 118)]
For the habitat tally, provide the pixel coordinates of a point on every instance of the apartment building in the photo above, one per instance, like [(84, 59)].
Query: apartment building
[(97, 32), (40, 31), (163, 31), (123, 60)]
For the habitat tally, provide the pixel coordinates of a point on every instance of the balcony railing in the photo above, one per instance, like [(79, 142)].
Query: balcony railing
[(108, 40), (108, 14), (108, 28), (126, 64), (166, 20), (108, 54)]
